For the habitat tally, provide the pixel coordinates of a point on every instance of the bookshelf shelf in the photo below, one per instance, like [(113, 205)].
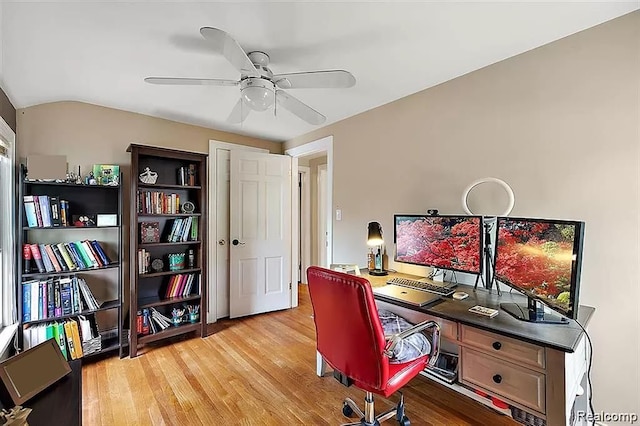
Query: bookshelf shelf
[(108, 345), (165, 244), (161, 186), (65, 228), (165, 273), (74, 272), (105, 306), (169, 215), (149, 302), (170, 332), (71, 185), (173, 168), (52, 244)]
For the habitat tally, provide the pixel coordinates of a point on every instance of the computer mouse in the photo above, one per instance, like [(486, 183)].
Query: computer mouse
[(459, 295)]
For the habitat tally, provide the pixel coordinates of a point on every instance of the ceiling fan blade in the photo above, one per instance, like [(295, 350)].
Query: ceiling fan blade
[(298, 108), (239, 112), (190, 81), (224, 44), (315, 79)]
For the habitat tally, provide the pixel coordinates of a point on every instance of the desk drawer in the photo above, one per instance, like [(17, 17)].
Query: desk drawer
[(504, 347), (519, 384)]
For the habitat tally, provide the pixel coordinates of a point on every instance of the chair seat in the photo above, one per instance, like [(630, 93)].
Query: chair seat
[(399, 375)]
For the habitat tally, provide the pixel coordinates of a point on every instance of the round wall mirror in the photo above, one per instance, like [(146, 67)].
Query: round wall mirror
[(488, 197)]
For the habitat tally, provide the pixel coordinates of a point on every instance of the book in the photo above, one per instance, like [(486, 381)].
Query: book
[(35, 251), (59, 258), (65, 255), (45, 210), (52, 257), (64, 213), (30, 211), (70, 340), (48, 264), (101, 252), (54, 203), (75, 256), (57, 301), (65, 296), (50, 298), (58, 335)]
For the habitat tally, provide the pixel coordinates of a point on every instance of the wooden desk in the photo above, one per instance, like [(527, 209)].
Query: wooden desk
[(537, 368)]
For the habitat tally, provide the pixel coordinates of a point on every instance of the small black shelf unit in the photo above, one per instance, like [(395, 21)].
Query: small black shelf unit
[(105, 282)]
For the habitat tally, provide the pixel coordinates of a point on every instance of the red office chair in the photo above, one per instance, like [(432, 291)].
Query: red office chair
[(351, 340)]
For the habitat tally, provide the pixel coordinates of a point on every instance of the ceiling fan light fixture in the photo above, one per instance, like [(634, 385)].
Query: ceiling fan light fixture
[(258, 93)]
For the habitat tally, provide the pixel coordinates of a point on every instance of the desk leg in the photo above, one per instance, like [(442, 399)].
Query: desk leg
[(321, 365)]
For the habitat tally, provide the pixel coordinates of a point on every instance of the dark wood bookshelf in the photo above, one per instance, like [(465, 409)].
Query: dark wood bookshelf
[(171, 167), (105, 306)]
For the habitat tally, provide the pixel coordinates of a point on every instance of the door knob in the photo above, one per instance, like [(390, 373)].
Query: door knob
[(236, 242), (497, 378), (222, 242), (497, 345)]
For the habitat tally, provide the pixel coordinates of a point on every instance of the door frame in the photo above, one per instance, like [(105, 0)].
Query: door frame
[(212, 311), (321, 231), (304, 249), (324, 144)]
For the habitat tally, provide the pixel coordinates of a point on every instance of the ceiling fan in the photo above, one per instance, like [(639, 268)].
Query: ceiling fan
[(259, 87)]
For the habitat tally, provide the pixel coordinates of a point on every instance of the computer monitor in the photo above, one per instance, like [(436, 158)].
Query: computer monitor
[(30, 372), (446, 242), (540, 258)]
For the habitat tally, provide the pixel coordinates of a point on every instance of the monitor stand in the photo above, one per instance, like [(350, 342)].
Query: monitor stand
[(533, 312)]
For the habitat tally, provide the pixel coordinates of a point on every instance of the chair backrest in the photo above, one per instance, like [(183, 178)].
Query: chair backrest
[(348, 330)]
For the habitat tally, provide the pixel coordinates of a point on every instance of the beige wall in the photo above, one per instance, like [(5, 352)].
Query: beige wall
[(313, 165), (88, 134), (560, 124)]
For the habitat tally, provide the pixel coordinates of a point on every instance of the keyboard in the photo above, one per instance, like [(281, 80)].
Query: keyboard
[(421, 285)]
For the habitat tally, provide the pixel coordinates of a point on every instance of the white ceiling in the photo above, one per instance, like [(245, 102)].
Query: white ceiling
[(99, 52)]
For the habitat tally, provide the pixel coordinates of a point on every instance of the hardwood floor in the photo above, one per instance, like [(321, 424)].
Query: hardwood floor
[(258, 370)]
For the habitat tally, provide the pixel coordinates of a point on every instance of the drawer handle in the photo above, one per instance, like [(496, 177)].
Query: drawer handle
[(497, 345), (497, 378)]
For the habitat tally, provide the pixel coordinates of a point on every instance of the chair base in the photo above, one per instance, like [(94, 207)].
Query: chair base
[(368, 417)]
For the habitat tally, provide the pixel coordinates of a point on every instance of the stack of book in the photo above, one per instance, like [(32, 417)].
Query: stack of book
[(187, 175), (56, 297), (183, 229), (66, 333), (156, 202), (150, 321), (62, 257), (43, 211), (181, 285)]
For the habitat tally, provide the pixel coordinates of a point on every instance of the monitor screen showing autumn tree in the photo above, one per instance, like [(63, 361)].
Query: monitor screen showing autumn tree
[(541, 258), (446, 242)]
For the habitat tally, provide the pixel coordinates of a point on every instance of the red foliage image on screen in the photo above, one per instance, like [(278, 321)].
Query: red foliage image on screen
[(439, 241), (538, 259)]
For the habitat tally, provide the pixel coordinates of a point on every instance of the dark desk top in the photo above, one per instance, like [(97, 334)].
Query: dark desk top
[(563, 337)]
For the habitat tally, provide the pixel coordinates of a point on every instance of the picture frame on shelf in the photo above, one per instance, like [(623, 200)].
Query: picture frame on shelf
[(149, 232), (106, 174)]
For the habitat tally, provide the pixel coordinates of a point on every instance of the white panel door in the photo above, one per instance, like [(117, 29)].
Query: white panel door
[(260, 233)]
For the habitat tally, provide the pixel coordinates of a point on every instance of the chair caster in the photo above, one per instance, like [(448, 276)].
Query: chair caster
[(404, 422), (347, 410)]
